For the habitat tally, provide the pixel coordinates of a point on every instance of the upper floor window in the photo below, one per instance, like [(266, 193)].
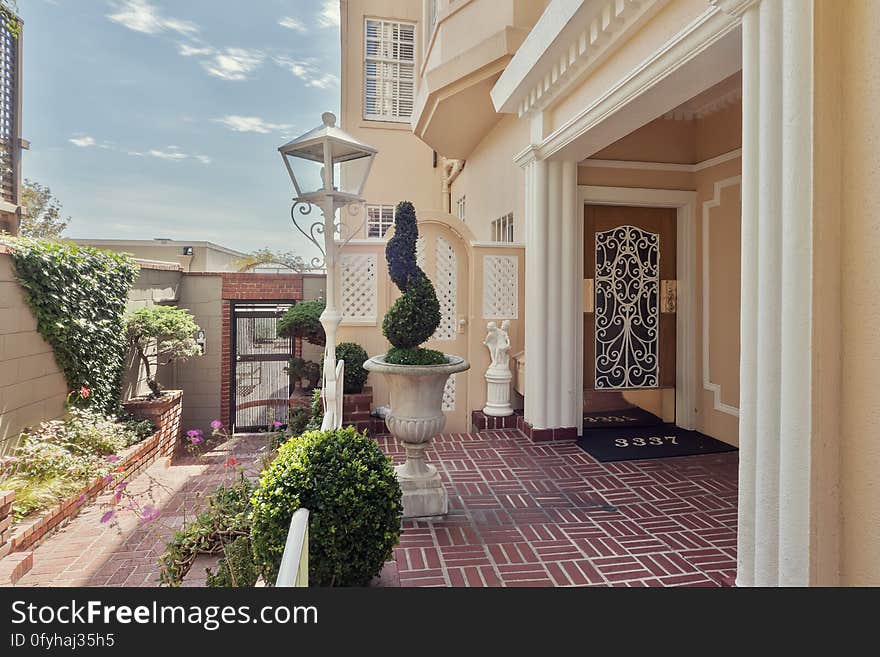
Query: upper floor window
[(389, 70), (379, 219), (461, 207), (502, 229)]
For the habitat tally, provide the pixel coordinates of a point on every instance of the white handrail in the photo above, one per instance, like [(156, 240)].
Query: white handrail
[(294, 570)]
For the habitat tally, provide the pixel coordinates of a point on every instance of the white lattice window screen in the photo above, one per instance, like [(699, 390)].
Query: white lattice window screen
[(379, 219), (420, 253), (449, 394), (446, 286), (358, 274), (500, 287), (389, 70)]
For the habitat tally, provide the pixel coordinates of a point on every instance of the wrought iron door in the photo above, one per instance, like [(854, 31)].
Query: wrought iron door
[(629, 318), (261, 385)]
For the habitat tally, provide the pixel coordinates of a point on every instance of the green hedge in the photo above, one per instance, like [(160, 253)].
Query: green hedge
[(78, 295)]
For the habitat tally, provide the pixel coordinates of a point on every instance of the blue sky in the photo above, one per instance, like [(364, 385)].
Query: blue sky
[(161, 118)]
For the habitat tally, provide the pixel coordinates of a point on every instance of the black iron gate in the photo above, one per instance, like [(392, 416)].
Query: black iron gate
[(260, 385)]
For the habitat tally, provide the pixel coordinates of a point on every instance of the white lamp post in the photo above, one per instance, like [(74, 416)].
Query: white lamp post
[(328, 168)]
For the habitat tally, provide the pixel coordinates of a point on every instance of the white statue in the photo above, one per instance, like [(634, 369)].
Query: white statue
[(498, 376), (498, 342)]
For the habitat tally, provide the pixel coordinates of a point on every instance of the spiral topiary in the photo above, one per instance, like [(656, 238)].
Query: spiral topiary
[(414, 317)]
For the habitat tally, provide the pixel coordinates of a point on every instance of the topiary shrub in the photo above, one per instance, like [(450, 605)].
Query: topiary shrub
[(354, 500), (414, 317), (303, 320), (355, 376)]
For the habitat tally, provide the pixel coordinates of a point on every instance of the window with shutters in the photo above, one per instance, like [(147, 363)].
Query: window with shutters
[(502, 229), (389, 70), (379, 219)]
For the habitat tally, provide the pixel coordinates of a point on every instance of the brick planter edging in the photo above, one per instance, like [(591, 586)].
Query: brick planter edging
[(164, 413), (133, 460)]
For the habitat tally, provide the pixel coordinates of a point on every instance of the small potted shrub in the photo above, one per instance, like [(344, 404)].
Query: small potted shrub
[(416, 376)]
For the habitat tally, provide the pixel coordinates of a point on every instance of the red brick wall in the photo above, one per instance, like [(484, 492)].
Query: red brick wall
[(249, 287)]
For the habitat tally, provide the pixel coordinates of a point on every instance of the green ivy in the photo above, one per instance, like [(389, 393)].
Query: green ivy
[(78, 295)]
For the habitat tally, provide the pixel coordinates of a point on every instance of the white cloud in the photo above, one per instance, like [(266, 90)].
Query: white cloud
[(234, 63), (239, 123), (173, 154), (83, 141), (307, 70), (141, 16), (168, 155), (329, 16), (188, 50), (292, 23), (204, 159)]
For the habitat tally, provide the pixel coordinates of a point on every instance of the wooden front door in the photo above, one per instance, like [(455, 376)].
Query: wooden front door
[(629, 318)]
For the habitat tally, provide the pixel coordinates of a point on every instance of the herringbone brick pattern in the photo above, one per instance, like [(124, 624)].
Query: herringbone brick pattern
[(526, 514)]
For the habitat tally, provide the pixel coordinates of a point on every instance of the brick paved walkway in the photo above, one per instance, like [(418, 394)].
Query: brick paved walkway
[(87, 553), (521, 514), (525, 514)]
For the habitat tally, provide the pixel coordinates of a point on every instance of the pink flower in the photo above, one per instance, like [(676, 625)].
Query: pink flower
[(84, 392), (216, 424), (113, 458), (196, 440), (108, 479), (107, 516), (231, 461), (149, 513), (276, 424)]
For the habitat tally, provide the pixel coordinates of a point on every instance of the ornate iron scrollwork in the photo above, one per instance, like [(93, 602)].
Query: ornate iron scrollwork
[(627, 308)]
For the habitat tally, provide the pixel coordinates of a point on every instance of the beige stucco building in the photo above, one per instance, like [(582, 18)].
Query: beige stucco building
[(726, 150)]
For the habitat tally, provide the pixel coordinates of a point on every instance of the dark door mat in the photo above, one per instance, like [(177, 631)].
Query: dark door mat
[(656, 442), (624, 417)]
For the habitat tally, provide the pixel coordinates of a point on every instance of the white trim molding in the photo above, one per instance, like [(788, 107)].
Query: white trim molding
[(714, 388), (685, 203), (662, 166)]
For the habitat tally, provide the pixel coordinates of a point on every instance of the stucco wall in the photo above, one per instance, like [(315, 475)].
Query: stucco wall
[(200, 377), (404, 168), (492, 183), (860, 282), (32, 387)]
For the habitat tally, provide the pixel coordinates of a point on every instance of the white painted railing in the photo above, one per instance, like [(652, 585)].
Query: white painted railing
[(294, 571)]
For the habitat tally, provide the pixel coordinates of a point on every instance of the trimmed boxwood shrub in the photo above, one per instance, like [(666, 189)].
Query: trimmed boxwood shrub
[(354, 501), (355, 376), (304, 321), (414, 317)]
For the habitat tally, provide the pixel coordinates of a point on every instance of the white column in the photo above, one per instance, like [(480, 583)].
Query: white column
[(797, 196), (536, 291), (553, 291), (773, 540), (571, 399), (745, 569)]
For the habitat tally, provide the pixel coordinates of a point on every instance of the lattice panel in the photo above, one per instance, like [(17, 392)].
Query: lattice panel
[(500, 287), (420, 253), (446, 285), (449, 394), (358, 274), (9, 87)]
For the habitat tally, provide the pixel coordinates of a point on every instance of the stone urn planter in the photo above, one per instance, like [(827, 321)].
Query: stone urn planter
[(416, 400)]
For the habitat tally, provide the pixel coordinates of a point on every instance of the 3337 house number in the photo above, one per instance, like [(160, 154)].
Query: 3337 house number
[(652, 441)]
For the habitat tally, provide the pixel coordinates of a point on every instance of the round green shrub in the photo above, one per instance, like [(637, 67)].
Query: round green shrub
[(354, 501), (304, 321), (355, 375), (398, 356)]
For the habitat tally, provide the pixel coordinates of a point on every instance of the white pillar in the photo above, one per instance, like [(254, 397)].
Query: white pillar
[(571, 399), (553, 291), (797, 202), (773, 541)]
